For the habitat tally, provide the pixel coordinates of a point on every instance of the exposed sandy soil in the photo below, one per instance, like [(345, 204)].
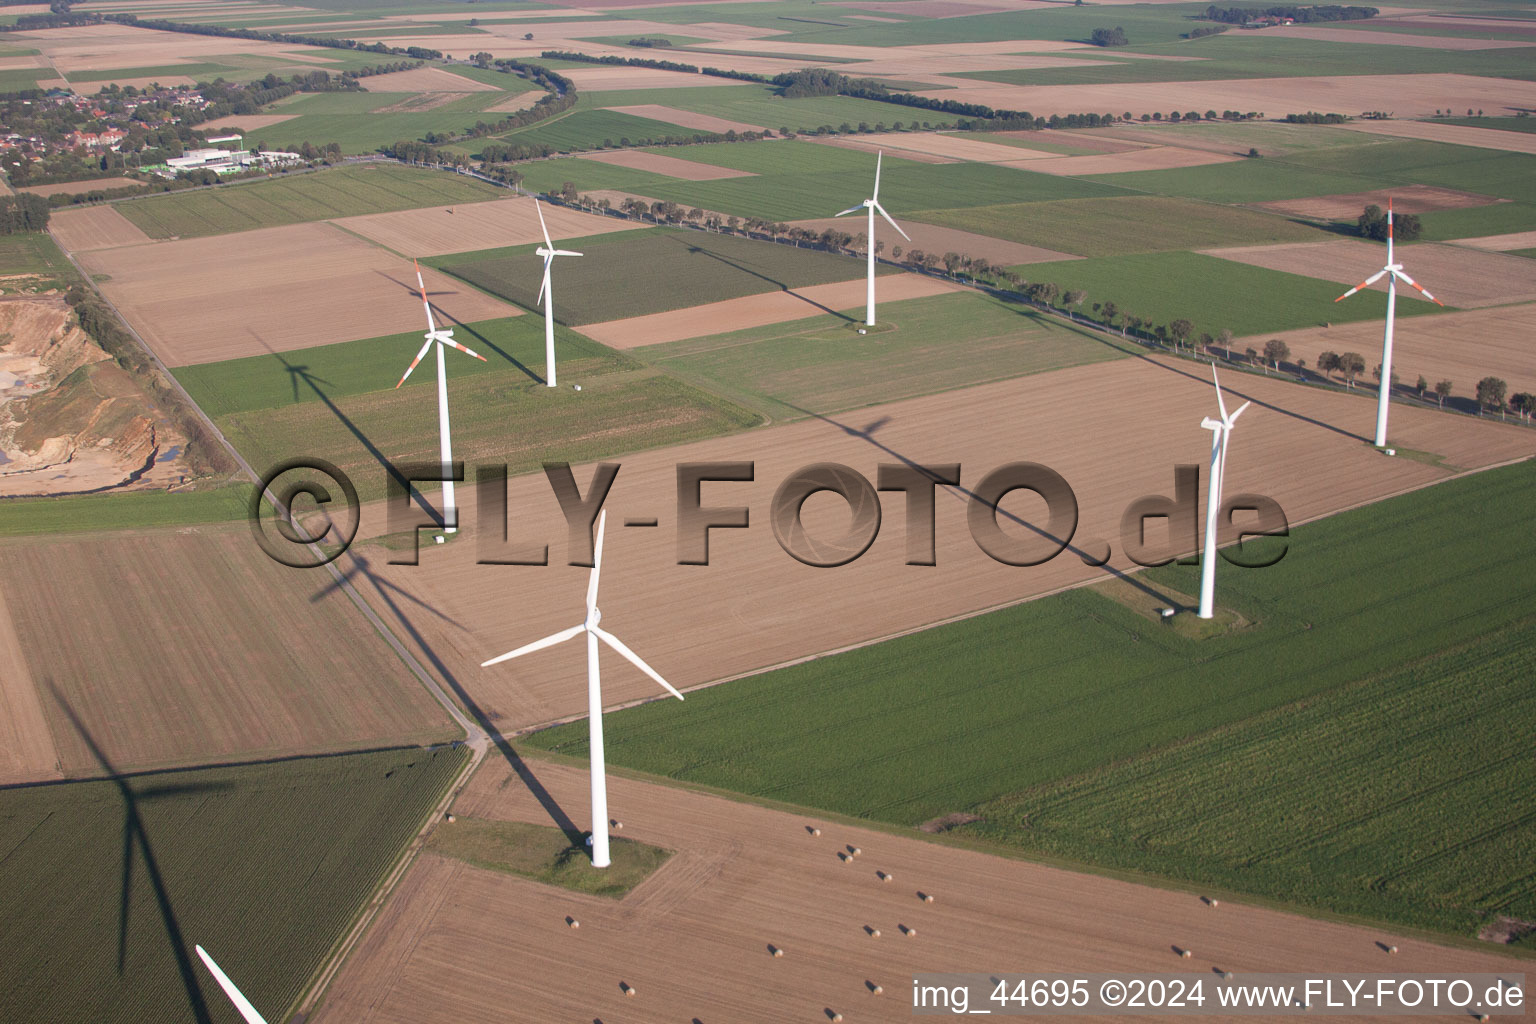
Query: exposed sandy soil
[(425, 79), (1369, 37), (1152, 158), (1462, 348), (1085, 140), (606, 79), (108, 46), (1405, 199), (933, 238), (489, 225), (274, 289), (693, 940), (224, 654), (1455, 276), (954, 147), (675, 167), (1305, 447), (1407, 95), (19, 63), (1459, 134), (73, 187), (251, 122), (855, 142), (94, 227), (686, 118), (1501, 243), (756, 310), (521, 101)]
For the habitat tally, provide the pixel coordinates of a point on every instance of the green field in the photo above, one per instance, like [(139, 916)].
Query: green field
[(1503, 124), (633, 273), (1404, 161), (1244, 181), (265, 865), (759, 105), (1053, 703), (1476, 221), (347, 411), (30, 252), (587, 175), (821, 365), (1210, 292), (121, 511), (589, 129), (293, 199), (1123, 224), (354, 120)]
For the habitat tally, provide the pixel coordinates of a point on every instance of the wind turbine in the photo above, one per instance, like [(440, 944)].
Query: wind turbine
[(594, 692), (235, 996), (450, 513), (1220, 430), (546, 296), (1393, 272), (872, 204)]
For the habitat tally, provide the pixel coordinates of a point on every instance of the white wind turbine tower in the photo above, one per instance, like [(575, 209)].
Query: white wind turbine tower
[(549, 252), (1220, 431), (594, 692), (235, 996), (1393, 272), (450, 513), (872, 204)]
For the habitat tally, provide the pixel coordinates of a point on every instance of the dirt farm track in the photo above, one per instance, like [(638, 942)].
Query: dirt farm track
[(469, 945)]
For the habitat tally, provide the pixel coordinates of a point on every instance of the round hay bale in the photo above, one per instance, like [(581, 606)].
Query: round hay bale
[(1392, 950), (629, 989), (855, 851), (572, 922), (777, 952), (874, 933), (875, 990), (1215, 903), (927, 897), (886, 876), (1186, 954), (451, 818), (836, 1017), (815, 831), (911, 933)]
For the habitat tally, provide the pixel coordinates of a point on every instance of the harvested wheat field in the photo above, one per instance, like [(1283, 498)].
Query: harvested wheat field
[(757, 310), (251, 122), (106, 47), (202, 300), (932, 238), (234, 658), (611, 79), (1501, 243), (1405, 199), (686, 118), (1456, 276), (674, 167), (27, 753), (79, 187), (426, 79), (435, 231), (950, 147), (696, 939), (1407, 95), (94, 227), (1457, 134), (1152, 158), (850, 142), (1305, 447), (519, 101), (1462, 348)]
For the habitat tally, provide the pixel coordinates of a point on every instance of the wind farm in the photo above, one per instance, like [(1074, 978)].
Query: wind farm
[(1025, 728)]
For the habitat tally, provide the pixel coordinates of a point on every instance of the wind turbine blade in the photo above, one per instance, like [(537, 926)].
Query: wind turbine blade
[(538, 645), (1238, 413), (543, 285), (448, 340), (875, 196), (547, 243), (634, 659), (597, 562), (1410, 281), (421, 286), (1219, 403), (235, 996), (423, 352), (566, 252), (851, 209), (892, 223), (1364, 284)]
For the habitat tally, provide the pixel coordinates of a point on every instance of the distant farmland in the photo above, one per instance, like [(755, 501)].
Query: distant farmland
[(639, 272), (342, 192), (1054, 703), (265, 865)]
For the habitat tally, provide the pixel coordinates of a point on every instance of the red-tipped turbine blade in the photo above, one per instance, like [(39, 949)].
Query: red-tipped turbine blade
[(408, 369), (461, 348), (1410, 281), (1363, 284)]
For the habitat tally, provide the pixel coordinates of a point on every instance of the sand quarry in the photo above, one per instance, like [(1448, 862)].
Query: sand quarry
[(694, 941), (1306, 448), (202, 300)]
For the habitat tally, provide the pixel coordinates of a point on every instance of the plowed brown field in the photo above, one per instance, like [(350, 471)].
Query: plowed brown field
[(94, 227), (434, 231)]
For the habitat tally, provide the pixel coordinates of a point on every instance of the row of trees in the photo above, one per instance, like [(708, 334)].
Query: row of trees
[(334, 42), (1301, 15), (1109, 37)]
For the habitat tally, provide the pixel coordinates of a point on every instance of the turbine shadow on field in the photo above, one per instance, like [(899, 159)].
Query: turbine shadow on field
[(135, 834), (866, 434), (546, 799), (360, 567), (780, 285), (483, 342), (1091, 332)]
